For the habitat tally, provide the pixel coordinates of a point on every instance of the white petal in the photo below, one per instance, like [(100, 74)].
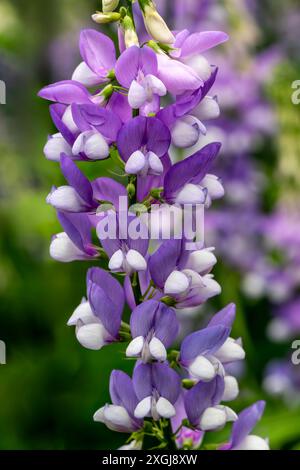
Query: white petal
[(63, 249), (136, 261), (210, 288), (164, 408), (157, 349), (155, 163), (231, 416), (201, 260), (116, 261), (96, 147), (92, 336), (231, 390), (176, 283), (68, 120), (135, 163), (200, 65), (134, 445), (137, 95), (186, 132), (212, 418), (230, 351), (99, 415), (252, 442), (92, 144), (191, 194), (202, 369), (135, 347), (214, 186), (84, 313), (195, 279), (55, 146), (208, 109), (117, 416), (83, 74), (143, 409), (156, 85), (66, 198)]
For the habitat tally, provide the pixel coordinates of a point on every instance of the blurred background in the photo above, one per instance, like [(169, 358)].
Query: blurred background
[(51, 386)]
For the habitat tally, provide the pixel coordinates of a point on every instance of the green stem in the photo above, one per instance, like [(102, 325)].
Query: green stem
[(135, 283), (171, 445)]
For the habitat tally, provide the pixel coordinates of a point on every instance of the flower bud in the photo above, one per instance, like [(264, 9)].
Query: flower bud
[(102, 18), (109, 5), (155, 24), (130, 36)]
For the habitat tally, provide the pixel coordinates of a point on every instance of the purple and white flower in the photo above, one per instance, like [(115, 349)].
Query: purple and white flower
[(205, 352), (120, 415), (98, 319), (154, 328), (241, 439), (203, 408), (157, 387)]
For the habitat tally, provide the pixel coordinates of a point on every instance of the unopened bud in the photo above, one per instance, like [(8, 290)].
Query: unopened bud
[(155, 24), (131, 190), (102, 18), (130, 36), (109, 5)]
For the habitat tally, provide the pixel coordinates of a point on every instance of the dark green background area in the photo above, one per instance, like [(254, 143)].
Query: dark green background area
[(51, 386)]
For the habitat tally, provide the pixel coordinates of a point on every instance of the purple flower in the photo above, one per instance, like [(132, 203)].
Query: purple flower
[(154, 327), (99, 58), (177, 76), (81, 195), (186, 438), (189, 49), (205, 351), (90, 117), (75, 242), (120, 415), (98, 320), (241, 439), (202, 405), (157, 387), (136, 69), (184, 117), (183, 183), (143, 144), (183, 274)]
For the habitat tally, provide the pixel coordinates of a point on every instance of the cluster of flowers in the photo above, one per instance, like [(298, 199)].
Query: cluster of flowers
[(266, 245), (112, 109)]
